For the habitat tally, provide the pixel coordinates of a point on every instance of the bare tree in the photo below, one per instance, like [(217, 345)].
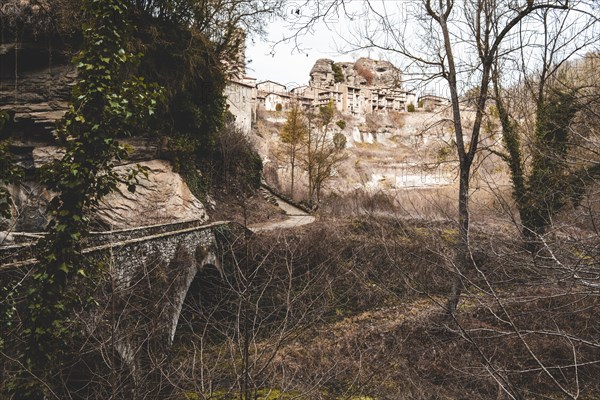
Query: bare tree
[(323, 150), (236, 321), (458, 44), (545, 118), (293, 135)]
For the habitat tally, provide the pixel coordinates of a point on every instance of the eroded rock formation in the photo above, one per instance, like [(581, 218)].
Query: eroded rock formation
[(363, 72)]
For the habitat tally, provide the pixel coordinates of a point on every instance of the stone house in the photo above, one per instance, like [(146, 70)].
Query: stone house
[(271, 100), (324, 96), (431, 102), (304, 96), (356, 95), (270, 94), (241, 102), (271, 87), (362, 87), (354, 100)]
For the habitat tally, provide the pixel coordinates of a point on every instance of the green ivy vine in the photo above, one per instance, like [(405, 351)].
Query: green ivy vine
[(108, 103)]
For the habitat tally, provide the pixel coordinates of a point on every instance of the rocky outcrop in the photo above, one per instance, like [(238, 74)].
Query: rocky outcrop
[(384, 73), (365, 72), (46, 154), (35, 87), (321, 73), (160, 197), (31, 155)]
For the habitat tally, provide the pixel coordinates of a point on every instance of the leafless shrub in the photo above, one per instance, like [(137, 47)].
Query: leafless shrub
[(354, 306), (396, 118), (372, 122)]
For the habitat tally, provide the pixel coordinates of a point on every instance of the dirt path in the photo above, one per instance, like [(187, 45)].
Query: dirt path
[(296, 217)]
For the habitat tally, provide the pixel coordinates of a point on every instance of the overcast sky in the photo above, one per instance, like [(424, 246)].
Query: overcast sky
[(333, 38), (287, 64), (329, 38), (290, 65)]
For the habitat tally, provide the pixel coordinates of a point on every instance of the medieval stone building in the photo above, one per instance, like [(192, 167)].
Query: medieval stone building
[(358, 88)]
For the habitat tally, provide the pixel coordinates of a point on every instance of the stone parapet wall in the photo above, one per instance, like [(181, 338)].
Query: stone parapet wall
[(17, 255)]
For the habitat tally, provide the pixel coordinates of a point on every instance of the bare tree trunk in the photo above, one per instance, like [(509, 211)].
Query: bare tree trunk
[(461, 262), (462, 258), (293, 165)]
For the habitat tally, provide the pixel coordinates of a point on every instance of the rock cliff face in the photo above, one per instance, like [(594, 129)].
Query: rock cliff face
[(363, 72), (35, 86), (35, 89)]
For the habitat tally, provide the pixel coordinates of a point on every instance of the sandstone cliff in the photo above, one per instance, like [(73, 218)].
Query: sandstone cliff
[(35, 87)]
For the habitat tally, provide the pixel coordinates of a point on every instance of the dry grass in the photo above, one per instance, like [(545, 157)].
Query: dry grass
[(372, 122), (381, 330), (435, 203), (391, 339), (412, 352)]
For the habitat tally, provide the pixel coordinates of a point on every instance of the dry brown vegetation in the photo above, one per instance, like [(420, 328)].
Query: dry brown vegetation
[(355, 305), (372, 122), (254, 209), (396, 118), (368, 313)]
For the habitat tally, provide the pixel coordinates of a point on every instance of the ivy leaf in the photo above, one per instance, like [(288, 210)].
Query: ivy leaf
[(64, 268)]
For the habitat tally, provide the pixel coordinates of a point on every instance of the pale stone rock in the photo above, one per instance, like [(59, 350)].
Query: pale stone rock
[(46, 154), (383, 74), (6, 238), (161, 197), (139, 149), (30, 203)]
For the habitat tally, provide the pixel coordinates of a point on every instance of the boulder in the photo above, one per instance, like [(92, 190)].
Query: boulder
[(160, 198), (384, 73)]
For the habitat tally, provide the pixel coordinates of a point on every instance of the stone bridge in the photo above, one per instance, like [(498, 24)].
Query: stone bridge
[(149, 271)]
